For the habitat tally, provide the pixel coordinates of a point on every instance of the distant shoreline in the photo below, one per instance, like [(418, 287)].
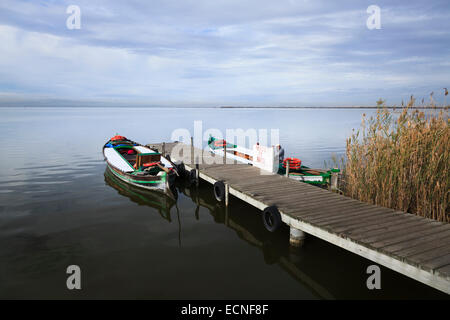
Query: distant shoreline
[(345, 107), (216, 107)]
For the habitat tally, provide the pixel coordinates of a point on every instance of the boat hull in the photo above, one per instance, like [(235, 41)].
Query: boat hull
[(159, 183)]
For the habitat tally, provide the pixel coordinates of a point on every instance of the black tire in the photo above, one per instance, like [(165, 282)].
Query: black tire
[(271, 218), (219, 191), (179, 166)]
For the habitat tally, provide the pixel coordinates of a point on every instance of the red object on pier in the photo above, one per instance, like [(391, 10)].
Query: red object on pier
[(294, 163)]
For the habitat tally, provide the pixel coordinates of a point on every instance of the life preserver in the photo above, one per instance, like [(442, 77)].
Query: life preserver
[(294, 163), (118, 138)]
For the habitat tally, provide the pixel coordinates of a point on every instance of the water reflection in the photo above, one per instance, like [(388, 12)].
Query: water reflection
[(161, 203), (247, 227), (326, 271)]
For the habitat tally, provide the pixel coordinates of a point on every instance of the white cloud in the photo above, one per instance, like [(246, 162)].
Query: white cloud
[(216, 52)]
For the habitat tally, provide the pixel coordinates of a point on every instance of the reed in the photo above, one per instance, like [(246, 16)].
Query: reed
[(400, 159)]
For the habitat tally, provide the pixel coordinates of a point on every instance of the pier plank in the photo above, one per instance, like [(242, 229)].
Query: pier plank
[(339, 210), (390, 235), (431, 257), (438, 262), (330, 210), (423, 247), (288, 199), (378, 242), (445, 270), (418, 241), (368, 218), (391, 231), (373, 225)]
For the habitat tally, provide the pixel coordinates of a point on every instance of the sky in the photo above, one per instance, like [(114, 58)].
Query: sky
[(223, 52)]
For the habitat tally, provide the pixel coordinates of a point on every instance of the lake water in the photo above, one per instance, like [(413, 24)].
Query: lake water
[(59, 208)]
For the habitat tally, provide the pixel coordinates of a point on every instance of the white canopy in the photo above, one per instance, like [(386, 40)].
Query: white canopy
[(116, 160), (142, 149)]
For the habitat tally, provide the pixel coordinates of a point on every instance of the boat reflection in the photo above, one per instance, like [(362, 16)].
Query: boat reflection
[(160, 202)]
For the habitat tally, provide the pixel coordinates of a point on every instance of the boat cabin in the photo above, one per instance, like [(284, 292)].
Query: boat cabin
[(138, 155)]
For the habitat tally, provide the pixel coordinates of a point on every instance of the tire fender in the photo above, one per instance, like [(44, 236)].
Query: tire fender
[(219, 191), (271, 218)]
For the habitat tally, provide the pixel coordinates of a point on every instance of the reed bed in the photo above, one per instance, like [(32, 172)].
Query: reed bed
[(400, 159)]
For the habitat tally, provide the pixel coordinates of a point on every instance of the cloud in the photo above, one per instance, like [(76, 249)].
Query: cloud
[(222, 52)]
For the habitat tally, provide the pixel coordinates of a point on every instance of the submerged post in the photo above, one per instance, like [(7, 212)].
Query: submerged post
[(226, 216), (227, 190), (225, 152), (197, 174), (296, 238)]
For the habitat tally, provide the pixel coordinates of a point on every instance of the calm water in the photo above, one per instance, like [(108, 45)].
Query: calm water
[(59, 208)]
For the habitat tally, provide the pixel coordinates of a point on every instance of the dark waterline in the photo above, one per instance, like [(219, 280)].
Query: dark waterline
[(59, 207)]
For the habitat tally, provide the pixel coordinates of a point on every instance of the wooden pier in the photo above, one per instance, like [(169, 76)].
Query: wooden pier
[(411, 245)]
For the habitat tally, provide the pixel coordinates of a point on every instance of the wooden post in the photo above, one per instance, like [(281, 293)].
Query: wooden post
[(227, 194), (297, 237), (197, 174), (225, 153), (163, 149), (192, 150), (287, 168)]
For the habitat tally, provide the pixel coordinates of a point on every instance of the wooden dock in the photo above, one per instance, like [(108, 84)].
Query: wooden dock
[(411, 245)]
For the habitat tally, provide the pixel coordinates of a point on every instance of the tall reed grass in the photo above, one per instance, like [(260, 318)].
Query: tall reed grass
[(400, 159)]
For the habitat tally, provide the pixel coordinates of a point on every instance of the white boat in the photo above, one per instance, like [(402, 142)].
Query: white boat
[(139, 166)]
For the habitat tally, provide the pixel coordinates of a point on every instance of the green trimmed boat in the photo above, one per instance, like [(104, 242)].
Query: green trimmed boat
[(139, 166), (305, 174)]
